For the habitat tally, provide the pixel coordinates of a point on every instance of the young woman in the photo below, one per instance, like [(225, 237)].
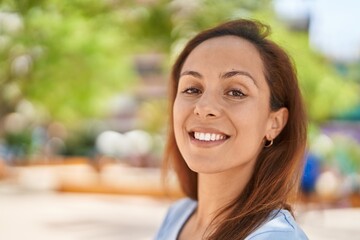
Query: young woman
[(237, 136)]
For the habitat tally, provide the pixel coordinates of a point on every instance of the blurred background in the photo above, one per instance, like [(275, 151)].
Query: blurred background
[(83, 111)]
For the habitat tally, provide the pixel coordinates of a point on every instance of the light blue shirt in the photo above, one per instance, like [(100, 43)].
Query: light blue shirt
[(280, 225)]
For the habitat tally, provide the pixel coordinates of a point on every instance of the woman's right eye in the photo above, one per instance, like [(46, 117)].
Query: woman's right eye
[(191, 91)]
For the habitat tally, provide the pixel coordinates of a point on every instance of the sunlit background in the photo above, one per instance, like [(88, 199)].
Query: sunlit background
[(83, 111)]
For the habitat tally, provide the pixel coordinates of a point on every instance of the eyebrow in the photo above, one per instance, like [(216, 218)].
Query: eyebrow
[(192, 73), (238, 72), (222, 76)]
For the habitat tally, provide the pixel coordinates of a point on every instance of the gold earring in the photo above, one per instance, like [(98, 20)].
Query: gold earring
[(269, 143)]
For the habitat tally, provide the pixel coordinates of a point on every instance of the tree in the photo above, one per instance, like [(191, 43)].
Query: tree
[(66, 57)]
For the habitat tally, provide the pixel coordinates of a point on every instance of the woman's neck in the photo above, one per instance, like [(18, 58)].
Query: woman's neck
[(217, 190)]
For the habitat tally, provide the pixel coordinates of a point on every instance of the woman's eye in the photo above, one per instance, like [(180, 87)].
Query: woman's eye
[(236, 93), (191, 91)]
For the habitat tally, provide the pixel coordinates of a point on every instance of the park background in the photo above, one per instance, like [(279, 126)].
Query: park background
[(83, 111)]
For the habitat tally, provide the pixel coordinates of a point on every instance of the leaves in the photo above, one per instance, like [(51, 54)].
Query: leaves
[(78, 58), (326, 92)]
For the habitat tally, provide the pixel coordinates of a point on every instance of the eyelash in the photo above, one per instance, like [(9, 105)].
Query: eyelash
[(236, 93), (191, 91)]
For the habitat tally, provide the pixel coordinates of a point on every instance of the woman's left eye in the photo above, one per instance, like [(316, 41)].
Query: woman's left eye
[(236, 93)]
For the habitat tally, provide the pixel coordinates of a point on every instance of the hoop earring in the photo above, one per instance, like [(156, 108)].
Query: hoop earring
[(269, 143)]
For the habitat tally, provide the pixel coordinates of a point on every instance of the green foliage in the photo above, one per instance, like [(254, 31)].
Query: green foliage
[(154, 116), (150, 25), (77, 57), (326, 92), (208, 13), (347, 153), (80, 143), (20, 144)]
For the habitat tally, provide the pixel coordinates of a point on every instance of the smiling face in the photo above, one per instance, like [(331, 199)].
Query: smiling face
[(221, 111)]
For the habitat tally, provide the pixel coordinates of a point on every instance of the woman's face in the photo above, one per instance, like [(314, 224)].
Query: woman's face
[(221, 111)]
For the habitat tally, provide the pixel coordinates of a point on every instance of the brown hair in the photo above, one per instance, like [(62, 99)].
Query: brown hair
[(278, 168)]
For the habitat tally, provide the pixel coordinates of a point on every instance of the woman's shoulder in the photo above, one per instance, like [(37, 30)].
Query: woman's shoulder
[(175, 218), (280, 225), (180, 210), (182, 204)]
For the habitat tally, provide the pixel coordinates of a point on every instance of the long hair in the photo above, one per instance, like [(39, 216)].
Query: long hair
[(278, 168)]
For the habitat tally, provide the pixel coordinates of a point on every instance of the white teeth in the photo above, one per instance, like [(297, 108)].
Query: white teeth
[(208, 136), (202, 136)]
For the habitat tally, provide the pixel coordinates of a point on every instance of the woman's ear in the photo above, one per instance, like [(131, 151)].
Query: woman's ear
[(278, 120)]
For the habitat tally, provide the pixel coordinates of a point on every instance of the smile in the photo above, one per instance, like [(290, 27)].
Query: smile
[(202, 136)]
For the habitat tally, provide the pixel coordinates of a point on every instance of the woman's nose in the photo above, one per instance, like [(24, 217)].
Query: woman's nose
[(207, 106)]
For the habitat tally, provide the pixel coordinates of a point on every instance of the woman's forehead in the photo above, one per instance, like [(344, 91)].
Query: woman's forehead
[(225, 54)]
